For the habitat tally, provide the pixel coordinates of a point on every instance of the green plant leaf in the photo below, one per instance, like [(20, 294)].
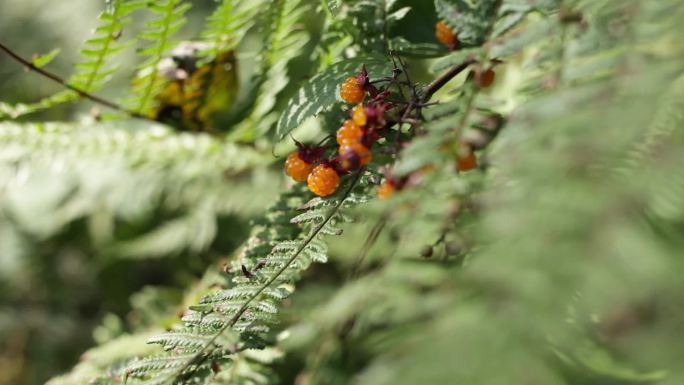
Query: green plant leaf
[(322, 92)]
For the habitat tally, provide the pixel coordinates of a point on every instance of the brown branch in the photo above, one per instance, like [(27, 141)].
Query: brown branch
[(445, 78), (57, 79)]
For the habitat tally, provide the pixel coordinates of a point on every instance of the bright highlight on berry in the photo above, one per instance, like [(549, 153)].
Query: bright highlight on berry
[(446, 35), (349, 133), (297, 168), (351, 91), (323, 180), (359, 115)]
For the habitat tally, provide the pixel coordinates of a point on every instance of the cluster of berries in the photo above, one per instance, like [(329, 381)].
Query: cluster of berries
[(363, 128), (355, 138)]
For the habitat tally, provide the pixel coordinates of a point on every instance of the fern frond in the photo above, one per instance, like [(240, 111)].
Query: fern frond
[(159, 31), (321, 92), (249, 308), (110, 175), (93, 72), (472, 20), (225, 26), (372, 21), (284, 40)]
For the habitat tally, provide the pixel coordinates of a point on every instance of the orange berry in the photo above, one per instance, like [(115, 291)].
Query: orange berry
[(323, 180), (486, 78), (359, 115), (349, 133), (297, 168), (359, 150), (466, 161), (386, 190), (351, 91), (445, 35)]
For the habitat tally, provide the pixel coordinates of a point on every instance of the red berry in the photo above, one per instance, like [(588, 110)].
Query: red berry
[(351, 91), (323, 180), (357, 149), (386, 189), (446, 35), (297, 168), (349, 133)]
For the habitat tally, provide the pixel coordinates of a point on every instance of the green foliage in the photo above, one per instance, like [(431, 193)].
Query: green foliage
[(95, 70), (322, 92), (284, 40), (471, 20), (43, 60), (225, 25), (556, 260), (234, 319), (159, 32)]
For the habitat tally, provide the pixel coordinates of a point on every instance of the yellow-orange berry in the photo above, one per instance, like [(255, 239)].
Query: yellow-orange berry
[(466, 161), (351, 91), (359, 149), (349, 133), (486, 78), (323, 180), (297, 168), (445, 35), (386, 190), (359, 115)]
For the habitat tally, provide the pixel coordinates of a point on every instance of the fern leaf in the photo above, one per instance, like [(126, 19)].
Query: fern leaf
[(285, 39), (160, 31), (472, 20), (321, 92), (332, 6), (251, 305), (225, 26), (93, 72)]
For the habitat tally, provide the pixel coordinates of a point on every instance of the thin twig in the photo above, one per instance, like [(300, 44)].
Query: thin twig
[(441, 81), (367, 245), (58, 79)]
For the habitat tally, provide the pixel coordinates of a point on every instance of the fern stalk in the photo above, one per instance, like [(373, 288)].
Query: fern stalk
[(199, 356), (160, 31)]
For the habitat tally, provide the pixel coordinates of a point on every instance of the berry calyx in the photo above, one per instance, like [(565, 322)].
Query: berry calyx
[(446, 35), (386, 189), (359, 115), (351, 90), (466, 159), (349, 133), (297, 168), (323, 180), (357, 149)]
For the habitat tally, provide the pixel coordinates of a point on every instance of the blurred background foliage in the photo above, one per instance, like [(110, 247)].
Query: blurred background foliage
[(563, 265), (78, 239)]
